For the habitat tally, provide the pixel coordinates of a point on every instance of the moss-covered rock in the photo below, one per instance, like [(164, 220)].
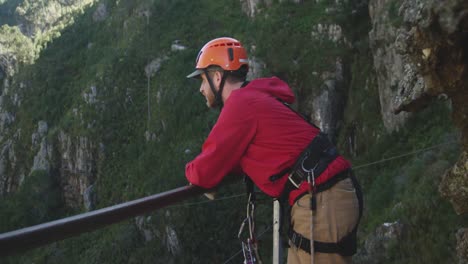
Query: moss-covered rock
[(454, 185)]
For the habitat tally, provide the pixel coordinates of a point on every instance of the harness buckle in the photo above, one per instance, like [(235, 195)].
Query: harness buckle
[(296, 239), (296, 184)]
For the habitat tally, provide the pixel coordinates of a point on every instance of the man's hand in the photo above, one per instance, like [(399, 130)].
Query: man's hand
[(209, 195)]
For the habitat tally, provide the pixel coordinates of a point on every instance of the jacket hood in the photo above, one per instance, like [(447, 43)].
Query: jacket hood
[(275, 87)]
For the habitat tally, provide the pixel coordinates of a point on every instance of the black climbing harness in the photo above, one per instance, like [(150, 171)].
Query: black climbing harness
[(311, 163)]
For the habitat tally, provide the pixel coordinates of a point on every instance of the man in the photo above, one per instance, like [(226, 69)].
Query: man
[(285, 156)]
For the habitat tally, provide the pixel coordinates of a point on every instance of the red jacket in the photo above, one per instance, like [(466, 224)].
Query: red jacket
[(257, 134)]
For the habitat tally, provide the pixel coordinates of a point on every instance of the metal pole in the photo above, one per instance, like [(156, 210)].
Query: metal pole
[(277, 249), (312, 252), (38, 235)]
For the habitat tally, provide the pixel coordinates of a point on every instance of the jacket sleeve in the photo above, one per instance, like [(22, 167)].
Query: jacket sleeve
[(223, 149)]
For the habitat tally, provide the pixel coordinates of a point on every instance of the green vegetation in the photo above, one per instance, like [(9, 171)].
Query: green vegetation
[(405, 189), (24, 209), (14, 42), (106, 60), (41, 20)]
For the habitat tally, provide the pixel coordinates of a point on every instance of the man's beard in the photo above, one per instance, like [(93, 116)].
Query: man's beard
[(211, 101)]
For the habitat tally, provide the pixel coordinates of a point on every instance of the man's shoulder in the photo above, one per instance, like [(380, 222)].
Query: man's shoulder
[(244, 95)]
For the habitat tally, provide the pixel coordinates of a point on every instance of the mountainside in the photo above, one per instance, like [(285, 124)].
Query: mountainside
[(95, 110)]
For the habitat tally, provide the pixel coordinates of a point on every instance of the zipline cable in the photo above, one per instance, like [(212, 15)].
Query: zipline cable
[(354, 168), (403, 155), (207, 201)]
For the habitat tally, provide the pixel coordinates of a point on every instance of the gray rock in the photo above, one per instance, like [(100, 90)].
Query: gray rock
[(172, 242), (378, 243), (454, 185), (462, 245), (37, 136), (390, 65), (325, 108), (4, 160), (431, 43), (78, 169), (42, 128), (90, 97), (143, 226), (8, 64), (154, 66), (41, 160), (332, 32), (177, 46), (101, 13), (256, 68), (89, 198), (5, 120), (150, 136), (250, 7)]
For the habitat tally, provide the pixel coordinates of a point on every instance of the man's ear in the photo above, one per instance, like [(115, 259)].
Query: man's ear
[(217, 78)]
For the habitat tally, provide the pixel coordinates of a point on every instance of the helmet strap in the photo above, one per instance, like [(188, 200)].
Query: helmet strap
[(217, 94)]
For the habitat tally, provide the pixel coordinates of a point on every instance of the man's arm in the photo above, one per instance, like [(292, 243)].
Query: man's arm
[(224, 147)]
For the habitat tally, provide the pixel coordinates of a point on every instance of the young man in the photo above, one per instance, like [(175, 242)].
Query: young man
[(285, 156)]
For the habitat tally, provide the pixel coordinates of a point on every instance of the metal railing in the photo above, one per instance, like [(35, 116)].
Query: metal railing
[(31, 237)]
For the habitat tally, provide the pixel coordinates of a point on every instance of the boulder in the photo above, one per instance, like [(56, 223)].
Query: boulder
[(454, 185), (378, 243), (462, 246)]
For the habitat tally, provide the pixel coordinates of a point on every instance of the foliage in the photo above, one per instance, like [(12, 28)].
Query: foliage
[(14, 42), (109, 57), (405, 189), (41, 22), (38, 200)]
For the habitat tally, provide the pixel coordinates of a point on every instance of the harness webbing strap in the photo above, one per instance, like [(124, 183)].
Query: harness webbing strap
[(347, 246), (316, 156)]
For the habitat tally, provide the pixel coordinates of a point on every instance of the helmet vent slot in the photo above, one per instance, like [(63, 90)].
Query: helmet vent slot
[(231, 54)]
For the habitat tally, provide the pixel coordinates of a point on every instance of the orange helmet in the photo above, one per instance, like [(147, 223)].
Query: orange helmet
[(227, 53)]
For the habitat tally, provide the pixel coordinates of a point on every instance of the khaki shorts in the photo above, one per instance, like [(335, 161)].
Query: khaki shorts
[(336, 215)]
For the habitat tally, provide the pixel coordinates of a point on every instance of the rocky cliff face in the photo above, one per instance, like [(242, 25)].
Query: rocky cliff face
[(325, 104), (433, 37), (78, 170), (421, 54), (37, 18), (38, 23), (392, 68)]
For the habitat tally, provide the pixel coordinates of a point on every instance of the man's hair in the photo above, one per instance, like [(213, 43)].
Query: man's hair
[(232, 76)]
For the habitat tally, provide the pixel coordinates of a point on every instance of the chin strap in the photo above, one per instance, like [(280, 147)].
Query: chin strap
[(217, 94)]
